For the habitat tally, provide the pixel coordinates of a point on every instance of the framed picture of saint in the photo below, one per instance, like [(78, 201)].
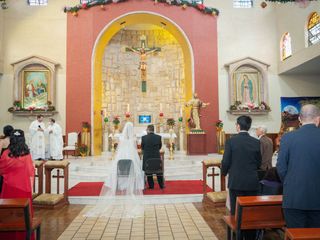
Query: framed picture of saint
[(247, 87), (35, 88)]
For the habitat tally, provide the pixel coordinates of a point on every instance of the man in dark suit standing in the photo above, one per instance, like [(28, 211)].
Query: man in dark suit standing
[(151, 145), (241, 160), (298, 166)]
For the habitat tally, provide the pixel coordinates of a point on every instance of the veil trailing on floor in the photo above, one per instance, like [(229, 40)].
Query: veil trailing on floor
[(122, 193)]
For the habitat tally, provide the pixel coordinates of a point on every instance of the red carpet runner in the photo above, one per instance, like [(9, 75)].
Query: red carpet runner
[(172, 187)]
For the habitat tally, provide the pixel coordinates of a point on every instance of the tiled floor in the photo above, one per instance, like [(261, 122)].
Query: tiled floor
[(170, 221)]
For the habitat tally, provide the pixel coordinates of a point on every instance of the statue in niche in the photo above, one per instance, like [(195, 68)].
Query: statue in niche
[(196, 105)]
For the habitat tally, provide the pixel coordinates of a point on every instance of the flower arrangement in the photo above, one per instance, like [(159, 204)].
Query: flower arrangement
[(17, 107), (263, 106), (85, 125), (127, 115), (116, 120), (180, 119), (161, 114), (219, 124), (83, 149), (17, 104), (106, 119), (171, 122)]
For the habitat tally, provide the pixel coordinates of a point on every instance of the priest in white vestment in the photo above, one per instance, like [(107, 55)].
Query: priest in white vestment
[(55, 140), (37, 140)]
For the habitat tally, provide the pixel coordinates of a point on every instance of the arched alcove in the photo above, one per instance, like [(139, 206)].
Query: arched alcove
[(89, 33)]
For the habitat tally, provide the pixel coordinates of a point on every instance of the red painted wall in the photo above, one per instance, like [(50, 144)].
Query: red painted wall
[(82, 32)]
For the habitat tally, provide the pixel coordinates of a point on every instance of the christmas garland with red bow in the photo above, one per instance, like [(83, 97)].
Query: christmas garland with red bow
[(182, 3), (286, 1)]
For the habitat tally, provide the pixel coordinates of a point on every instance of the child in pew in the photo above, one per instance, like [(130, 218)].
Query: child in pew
[(271, 183)]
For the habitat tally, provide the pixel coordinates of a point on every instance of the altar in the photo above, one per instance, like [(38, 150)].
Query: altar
[(164, 136)]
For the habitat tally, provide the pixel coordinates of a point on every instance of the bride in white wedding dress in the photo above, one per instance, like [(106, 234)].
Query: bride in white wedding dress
[(122, 193)]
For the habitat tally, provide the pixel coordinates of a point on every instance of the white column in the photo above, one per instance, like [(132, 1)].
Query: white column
[(105, 139), (181, 139)]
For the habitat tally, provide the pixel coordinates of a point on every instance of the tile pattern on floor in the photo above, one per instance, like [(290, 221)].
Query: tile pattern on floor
[(163, 222)]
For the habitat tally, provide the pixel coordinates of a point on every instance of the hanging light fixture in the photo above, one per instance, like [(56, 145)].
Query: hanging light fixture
[(3, 4)]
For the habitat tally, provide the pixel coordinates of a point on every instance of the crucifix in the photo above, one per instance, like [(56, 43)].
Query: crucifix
[(143, 51)]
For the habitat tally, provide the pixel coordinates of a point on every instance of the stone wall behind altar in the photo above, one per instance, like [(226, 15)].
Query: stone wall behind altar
[(165, 76)]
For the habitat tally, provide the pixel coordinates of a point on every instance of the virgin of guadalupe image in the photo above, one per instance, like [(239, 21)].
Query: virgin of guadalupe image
[(246, 90)]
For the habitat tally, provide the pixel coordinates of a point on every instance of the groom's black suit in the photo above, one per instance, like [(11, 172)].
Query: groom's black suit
[(151, 145)]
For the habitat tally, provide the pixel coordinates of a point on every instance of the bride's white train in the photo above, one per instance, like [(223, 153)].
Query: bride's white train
[(122, 193)]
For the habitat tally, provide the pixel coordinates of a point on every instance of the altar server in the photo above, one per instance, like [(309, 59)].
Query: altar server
[(55, 140)]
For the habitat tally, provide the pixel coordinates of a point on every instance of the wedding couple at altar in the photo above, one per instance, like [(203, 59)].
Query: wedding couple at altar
[(122, 194)]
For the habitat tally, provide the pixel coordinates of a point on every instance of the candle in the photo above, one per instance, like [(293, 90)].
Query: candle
[(160, 107), (128, 108), (180, 111)]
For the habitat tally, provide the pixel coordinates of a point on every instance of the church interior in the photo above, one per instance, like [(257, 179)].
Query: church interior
[(190, 68)]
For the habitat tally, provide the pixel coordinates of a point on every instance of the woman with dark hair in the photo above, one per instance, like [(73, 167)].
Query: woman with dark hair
[(5, 139), (4, 143), (17, 170)]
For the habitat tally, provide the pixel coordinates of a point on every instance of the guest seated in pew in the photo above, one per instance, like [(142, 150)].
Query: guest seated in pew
[(17, 170)]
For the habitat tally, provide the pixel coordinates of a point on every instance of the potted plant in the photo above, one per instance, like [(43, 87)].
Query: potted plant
[(83, 150), (219, 125), (85, 126)]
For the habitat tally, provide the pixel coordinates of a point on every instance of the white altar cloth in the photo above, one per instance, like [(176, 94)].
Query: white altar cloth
[(139, 135)]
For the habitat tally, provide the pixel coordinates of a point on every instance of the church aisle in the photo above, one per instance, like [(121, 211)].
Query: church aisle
[(55, 222), (168, 221)]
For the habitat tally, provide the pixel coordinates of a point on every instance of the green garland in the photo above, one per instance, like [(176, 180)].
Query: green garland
[(183, 3), (286, 1)]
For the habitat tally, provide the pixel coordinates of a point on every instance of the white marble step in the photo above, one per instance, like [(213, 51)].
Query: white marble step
[(147, 199)]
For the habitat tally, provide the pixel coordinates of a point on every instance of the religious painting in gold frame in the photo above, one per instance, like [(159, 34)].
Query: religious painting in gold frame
[(35, 88), (247, 87)]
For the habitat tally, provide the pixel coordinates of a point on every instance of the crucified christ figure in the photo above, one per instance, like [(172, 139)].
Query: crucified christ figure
[(143, 51)]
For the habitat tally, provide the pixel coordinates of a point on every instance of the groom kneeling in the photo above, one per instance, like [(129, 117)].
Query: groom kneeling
[(151, 145)]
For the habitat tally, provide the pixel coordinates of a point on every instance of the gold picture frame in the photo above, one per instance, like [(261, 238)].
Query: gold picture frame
[(36, 90)]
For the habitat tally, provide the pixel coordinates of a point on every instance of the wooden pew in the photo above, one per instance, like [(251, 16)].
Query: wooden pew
[(255, 212), (15, 216), (302, 233)]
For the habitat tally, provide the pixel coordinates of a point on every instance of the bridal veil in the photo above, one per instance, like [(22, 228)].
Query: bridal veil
[(122, 193)]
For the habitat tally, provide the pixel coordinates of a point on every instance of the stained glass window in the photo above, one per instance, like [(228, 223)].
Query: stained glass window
[(285, 46), (242, 3), (37, 2), (314, 29)]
